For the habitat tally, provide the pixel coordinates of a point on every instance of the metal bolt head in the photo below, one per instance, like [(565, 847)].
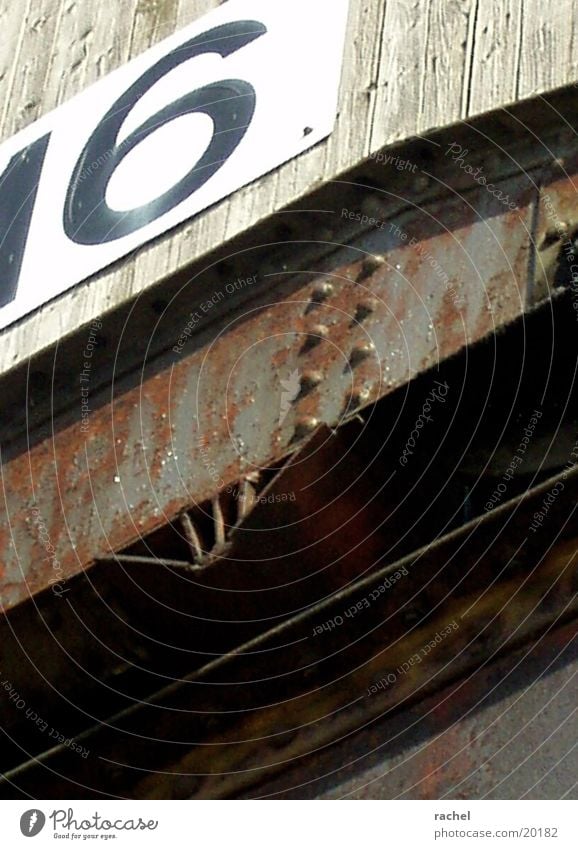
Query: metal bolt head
[(319, 295), (370, 265), (305, 428), (357, 399), (321, 292), (361, 353), (421, 183), (364, 310), (372, 205), (310, 380), (314, 337), (553, 235)]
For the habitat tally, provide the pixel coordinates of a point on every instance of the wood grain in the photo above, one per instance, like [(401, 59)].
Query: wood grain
[(410, 66)]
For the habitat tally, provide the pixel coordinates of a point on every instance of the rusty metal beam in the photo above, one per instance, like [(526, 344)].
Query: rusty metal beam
[(172, 435), (304, 684), (355, 310)]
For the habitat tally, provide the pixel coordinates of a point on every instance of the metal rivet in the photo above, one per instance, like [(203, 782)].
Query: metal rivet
[(326, 234), (554, 234), (360, 396), (372, 205), (370, 265), (421, 183), (305, 428), (356, 400), (364, 310), (314, 337), (322, 292), (361, 353), (319, 295)]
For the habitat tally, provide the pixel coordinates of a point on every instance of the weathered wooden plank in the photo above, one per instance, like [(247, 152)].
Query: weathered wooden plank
[(409, 66)]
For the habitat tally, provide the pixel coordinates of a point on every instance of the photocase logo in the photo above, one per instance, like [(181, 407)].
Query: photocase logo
[(291, 389), (32, 822)]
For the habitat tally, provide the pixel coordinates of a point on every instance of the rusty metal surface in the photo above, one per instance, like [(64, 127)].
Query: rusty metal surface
[(375, 316), (300, 532), (244, 715)]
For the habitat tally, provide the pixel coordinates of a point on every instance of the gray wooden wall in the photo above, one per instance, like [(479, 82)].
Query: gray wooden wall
[(410, 66)]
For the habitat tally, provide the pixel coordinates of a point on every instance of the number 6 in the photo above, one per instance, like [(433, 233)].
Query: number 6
[(88, 220)]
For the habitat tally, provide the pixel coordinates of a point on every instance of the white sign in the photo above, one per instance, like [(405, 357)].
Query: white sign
[(222, 102)]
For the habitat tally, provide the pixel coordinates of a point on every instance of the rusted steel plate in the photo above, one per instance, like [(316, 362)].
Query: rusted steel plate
[(340, 508), (386, 307)]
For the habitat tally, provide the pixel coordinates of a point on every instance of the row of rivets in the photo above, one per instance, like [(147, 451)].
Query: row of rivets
[(370, 265)]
